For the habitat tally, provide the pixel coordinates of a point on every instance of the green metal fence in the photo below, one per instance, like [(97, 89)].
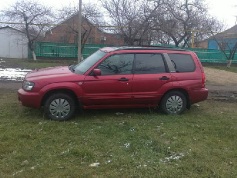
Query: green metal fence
[(62, 50), (212, 55)]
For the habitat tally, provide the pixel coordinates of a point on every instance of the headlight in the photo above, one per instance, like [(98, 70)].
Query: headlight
[(28, 86)]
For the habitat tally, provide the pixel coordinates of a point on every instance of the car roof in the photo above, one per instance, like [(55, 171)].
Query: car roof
[(110, 49)]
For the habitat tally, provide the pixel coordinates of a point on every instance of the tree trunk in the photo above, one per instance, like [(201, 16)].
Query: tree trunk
[(229, 62), (232, 55), (33, 55)]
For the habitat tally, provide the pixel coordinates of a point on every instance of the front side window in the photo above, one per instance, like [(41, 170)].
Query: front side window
[(182, 62), (149, 64), (117, 64)]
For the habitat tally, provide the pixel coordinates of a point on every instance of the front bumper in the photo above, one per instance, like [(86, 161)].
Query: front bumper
[(29, 99)]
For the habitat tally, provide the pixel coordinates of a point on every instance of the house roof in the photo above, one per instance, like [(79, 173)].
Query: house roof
[(8, 27), (75, 15), (229, 33), (65, 20)]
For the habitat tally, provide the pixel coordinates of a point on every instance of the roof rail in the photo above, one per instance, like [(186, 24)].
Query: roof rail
[(148, 48)]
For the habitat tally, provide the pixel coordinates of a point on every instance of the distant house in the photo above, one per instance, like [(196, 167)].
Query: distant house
[(66, 32), (13, 43), (226, 39), (201, 44)]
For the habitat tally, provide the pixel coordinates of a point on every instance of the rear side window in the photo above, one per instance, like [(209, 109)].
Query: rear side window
[(149, 64), (182, 62)]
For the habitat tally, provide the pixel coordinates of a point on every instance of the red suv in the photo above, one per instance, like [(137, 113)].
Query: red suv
[(124, 77)]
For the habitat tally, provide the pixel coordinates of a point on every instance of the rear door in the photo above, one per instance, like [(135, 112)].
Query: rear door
[(113, 87), (150, 75), (185, 74)]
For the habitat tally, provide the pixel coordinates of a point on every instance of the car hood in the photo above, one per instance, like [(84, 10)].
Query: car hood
[(51, 71), (53, 75)]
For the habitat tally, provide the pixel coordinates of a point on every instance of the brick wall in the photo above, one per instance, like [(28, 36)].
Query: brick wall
[(66, 32)]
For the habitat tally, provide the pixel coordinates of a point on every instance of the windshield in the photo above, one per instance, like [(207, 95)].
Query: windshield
[(86, 64)]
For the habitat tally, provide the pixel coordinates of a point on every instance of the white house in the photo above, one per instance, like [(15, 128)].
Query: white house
[(13, 43)]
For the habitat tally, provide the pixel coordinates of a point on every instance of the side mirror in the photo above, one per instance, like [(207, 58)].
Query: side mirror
[(96, 72)]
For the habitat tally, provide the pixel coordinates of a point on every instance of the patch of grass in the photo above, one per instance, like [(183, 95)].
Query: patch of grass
[(31, 64), (137, 143)]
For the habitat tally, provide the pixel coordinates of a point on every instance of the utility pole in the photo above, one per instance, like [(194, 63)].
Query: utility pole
[(235, 16), (79, 31), (192, 32)]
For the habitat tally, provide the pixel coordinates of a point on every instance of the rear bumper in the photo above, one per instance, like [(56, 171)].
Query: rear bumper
[(198, 95), (29, 99)]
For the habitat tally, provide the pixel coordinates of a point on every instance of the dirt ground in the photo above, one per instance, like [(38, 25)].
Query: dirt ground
[(10, 85), (222, 84), (220, 77)]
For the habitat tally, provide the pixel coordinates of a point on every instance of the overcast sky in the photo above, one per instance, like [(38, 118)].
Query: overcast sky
[(225, 11)]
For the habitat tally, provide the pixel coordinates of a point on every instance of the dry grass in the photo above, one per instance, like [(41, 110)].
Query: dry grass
[(220, 77)]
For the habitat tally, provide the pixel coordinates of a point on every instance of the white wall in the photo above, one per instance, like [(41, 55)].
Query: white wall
[(13, 44)]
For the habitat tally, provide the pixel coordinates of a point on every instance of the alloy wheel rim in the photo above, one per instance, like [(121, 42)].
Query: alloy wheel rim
[(174, 104), (59, 108)]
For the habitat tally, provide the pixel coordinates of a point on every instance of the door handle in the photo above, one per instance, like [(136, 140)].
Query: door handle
[(164, 78), (123, 79)]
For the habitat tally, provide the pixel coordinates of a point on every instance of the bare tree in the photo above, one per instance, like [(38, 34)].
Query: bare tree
[(180, 20), (158, 21), (68, 16), (132, 18), (31, 17), (224, 45)]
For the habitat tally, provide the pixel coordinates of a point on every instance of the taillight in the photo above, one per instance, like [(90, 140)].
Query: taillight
[(203, 79)]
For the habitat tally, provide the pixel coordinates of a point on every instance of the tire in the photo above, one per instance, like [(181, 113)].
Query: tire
[(173, 102), (59, 107)]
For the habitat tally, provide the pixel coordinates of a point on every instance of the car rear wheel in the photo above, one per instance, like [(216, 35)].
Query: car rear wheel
[(174, 102), (59, 107)]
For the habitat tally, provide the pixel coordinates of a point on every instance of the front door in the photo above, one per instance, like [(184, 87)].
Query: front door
[(113, 87)]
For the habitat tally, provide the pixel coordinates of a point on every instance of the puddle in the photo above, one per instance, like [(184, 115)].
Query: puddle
[(13, 74)]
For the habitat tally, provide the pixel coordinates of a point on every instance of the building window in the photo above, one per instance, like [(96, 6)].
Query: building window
[(91, 40)]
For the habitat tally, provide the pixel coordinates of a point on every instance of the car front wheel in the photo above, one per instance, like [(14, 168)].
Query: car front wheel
[(174, 102), (59, 107)]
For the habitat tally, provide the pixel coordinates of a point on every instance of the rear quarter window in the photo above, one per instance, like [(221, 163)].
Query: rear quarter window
[(183, 62)]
